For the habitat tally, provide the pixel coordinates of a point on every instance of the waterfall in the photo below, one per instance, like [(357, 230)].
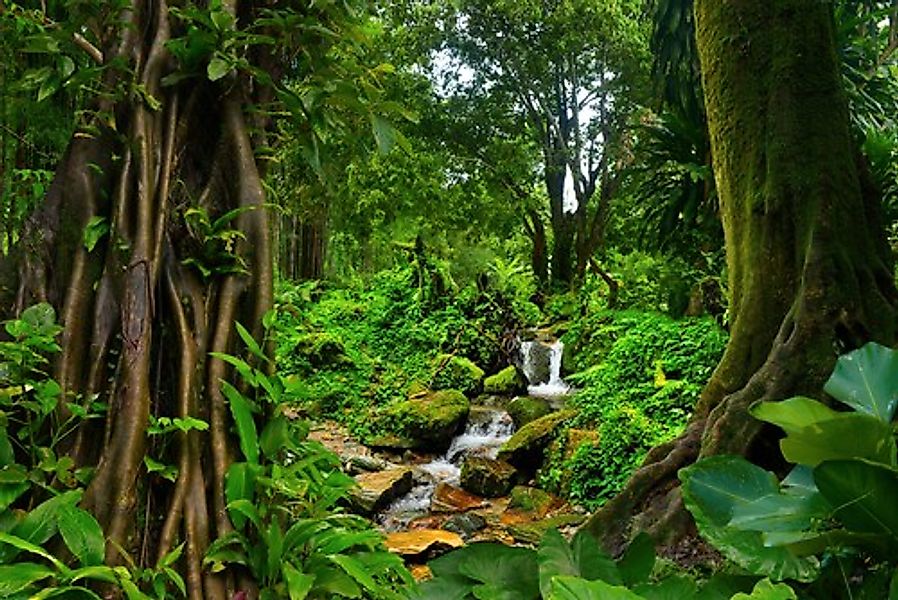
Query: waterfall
[(485, 432), (542, 366)]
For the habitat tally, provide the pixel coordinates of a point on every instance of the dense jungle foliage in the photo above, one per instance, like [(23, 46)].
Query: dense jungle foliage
[(273, 272)]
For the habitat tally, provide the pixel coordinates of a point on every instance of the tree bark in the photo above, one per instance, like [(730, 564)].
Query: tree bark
[(810, 273), (139, 321)]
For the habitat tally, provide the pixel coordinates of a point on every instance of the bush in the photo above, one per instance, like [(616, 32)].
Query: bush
[(647, 371)]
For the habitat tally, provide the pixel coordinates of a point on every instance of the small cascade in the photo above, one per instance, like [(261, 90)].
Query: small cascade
[(542, 366), (484, 434)]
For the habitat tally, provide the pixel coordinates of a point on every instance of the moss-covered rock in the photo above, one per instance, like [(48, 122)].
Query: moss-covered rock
[(323, 350), (450, 372), (525, 448), (532, 533), (531, 500), (525, 409), (427, 423), (487, 477), (508, 381)]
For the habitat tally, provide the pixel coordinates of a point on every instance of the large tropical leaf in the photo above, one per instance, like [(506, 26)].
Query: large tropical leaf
[(863, 494), (867, 381), (712, 490), (848, 435), (582, 558), (794, 414)]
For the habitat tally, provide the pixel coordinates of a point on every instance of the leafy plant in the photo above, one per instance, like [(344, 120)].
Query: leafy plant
[(838, 495), (283, 500)]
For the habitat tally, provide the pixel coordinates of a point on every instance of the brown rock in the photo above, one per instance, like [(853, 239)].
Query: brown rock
[(486, 477), (448, 498), (377, 490), (431, 542)]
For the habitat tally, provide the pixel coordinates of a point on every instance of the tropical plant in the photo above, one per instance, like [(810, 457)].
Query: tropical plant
[(283, 501), (838, 496)]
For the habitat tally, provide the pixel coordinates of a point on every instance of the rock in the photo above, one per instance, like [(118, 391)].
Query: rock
[(532, 533), (421, 542), (465, 524), (532, 501), (366, 464), (456, 373), (537, 356), (375, 491), (509, 381), (525, 409), (448, 498), (427, 423), (487, 477), (525, 448), (322, 350)]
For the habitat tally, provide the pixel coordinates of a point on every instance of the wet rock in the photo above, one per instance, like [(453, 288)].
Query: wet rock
[(532, 533), (487, 477), (526, 409), (448, 498), (452, 372), (366, 464), (531, 501), (465, 524), (423, 543), (525, 448), (429, 422), (508, 381), (376, 491)]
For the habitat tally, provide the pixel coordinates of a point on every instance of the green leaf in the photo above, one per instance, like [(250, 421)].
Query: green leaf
[(794, 414), (247, 509), (443, 588), (867, 380), (712, 489), (863, 494), (218, 67), (573, 588), (240, 484), (384, 134), (766, 590), (82, 535), (513, 568), (18, 577), (298, 584), (637, 563), (25, 546), (848, 435), (39, 525), (672, 588), (94, 573), (94, 231), (250, 342), (583, 558), (242, 411), (356, 570), (275, 436), (781, 512)]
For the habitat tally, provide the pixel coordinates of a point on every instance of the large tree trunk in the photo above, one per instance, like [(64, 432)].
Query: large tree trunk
[(810, 274), (140, 323)]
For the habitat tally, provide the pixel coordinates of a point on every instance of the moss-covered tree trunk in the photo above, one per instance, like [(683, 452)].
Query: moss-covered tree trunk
[(140, 318), (810, 273)]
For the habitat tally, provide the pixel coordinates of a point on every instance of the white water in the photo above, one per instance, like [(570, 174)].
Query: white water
[(484, 434), (555, 387)]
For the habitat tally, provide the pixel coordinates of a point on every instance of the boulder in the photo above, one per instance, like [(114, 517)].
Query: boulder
[(487, 477), (376, 491), (448, 498), (525, 409), (525, 448), (532, 533), (427, 423), (465, 524), (423, 542), (450, 372), (532, 501), (508, 382)]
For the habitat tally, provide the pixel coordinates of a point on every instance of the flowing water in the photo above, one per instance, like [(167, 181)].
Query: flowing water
[(487, 429), (545, 380)]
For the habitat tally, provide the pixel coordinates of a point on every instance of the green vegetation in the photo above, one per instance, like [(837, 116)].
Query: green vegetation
[(229, 230)]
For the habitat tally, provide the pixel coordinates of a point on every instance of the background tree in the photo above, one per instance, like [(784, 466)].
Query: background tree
[(810, 274)]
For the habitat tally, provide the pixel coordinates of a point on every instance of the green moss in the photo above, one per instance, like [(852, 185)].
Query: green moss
[(457, 373), (508, 381), (524, 410), (427, 423), (525, 448)]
